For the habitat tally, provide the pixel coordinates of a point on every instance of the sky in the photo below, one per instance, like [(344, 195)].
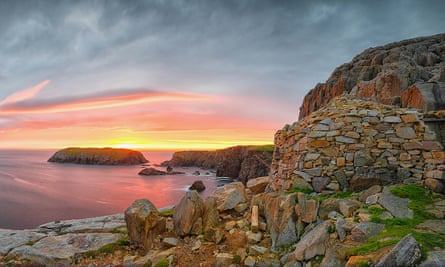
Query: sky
[(179, 74)]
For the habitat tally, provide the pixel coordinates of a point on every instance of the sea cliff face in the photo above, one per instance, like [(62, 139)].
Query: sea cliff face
[(243, 162), (98, 156), (409, 73)]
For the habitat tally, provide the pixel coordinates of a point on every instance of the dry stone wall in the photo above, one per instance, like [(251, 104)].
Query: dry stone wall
[(352, 144)]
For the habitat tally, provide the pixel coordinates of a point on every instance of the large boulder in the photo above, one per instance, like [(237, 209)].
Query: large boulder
[(396, 205), (210, 221), (144, 223), (405, 253), (188, 215), (279, 210), (258, 185), (230, 195), (198, 186), (312, 244)]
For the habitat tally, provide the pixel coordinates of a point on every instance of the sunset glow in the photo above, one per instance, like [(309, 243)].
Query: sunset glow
[(137, 119)]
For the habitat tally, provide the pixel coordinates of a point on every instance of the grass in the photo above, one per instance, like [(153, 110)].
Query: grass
[(167, 213), (397, 228), (236, 259), (162, 263), (262, 148), (295, 190), (30, 243), (110, 248)]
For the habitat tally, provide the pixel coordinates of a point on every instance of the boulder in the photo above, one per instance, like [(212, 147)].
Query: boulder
[(312, 244), (61, 250), (223, 259), (396, 205), (230, 195), (437, 226), (198, 186), (212, 232), (279, 211), (348, 206), (258, 185), (434, 259), (151, 171), (306, 210), (330, 204), (405, 253), (144, 224), (434, 184), (188, 215), (365, 230)]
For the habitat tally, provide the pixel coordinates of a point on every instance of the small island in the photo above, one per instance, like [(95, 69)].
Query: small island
[(98, 156)]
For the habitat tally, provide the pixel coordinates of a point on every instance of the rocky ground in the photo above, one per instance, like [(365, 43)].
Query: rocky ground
[(398, 225)]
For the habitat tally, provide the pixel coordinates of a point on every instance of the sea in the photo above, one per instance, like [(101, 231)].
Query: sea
[(34, 191)]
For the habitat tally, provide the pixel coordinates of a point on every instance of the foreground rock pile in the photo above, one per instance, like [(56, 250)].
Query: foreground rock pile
[(352, 144)]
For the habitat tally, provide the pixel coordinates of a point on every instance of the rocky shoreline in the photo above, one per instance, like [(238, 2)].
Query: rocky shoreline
[(248, 226)]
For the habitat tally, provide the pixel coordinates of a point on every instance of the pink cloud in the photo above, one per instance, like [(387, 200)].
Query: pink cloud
[(25, 94)]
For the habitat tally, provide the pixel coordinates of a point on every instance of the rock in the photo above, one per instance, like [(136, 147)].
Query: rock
[(434, 259), (332, 258), (60, 250), (198, 186), (253, 238), (170, 242), (348, 206), (10, 239), (405, 253), (372, 199), (302, 184), (144, 223), (280, 216), (228, 196), (320, 183), (210, 220), (437, 226), (188, 215), (312, 243), (98, 156), (365, 230), (433, 184), (224, 259), (256, 250), (100, 224), (396, 205), (306, 210), (258, 185), (330, 204), (250, 261), (339, 227), (254, 219), (151, 171)]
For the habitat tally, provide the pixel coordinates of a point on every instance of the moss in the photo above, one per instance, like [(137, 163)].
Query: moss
[(148, 264), (362, 264), (109, 248), (162, 263), (236, 259), (30, 243), (262, 148), (167, 213), (397, 228), (295, 190), (119, 231)]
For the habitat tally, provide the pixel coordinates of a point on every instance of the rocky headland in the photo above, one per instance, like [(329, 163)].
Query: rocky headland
[(357, 181), (98, 156), (242, 162)]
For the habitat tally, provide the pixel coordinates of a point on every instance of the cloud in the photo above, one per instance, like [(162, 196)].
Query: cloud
[(24, 94)]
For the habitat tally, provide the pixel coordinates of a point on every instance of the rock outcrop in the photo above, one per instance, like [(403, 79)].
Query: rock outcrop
[(409, 73), (153, 171), (243, 162), (98, 156), (353, 144)]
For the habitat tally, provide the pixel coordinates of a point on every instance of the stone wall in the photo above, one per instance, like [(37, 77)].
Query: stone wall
[(351, 144)]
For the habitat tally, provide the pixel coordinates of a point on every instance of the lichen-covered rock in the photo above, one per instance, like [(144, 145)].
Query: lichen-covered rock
[(396, 205), (144, 223), (405, 253), (311, 244), (230, 195), (188, 214), (279, 210)]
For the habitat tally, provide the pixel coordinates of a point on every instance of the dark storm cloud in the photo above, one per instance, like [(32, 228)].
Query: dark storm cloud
[(274, 49)]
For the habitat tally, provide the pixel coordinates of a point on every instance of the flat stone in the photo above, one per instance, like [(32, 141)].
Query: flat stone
[(10, 239), (348, 206), (317, 134), (392, 119), (60, 250), (314, 171), (101, 224), (396, 205), (170, 242), (230, 195), (258, 185), (253, 238), (406, 132), (346, 140), (437, 226), (224, 259), (425, 145), (320, 183), (250, 261), (370, 191), (319, 143), (405, 253), (256, 250)]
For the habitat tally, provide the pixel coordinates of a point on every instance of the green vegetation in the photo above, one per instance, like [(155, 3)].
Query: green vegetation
[(167, 213), (397, 228), (362, 264), (148, 264), (295, 190), (262, 148), (236, 259), (30, 243), (110, 248), (162, 263)]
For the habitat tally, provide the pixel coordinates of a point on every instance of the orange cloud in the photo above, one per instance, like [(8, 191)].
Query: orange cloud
[(25, 94)]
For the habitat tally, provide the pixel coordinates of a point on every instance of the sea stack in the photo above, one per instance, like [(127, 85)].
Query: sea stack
[(98, 156)]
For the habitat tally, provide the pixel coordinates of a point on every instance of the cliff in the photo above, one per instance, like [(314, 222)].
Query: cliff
[(98, 156), (243, 162), (409, 73)]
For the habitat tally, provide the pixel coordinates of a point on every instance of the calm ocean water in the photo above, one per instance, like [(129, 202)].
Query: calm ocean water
[(34, 191)]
